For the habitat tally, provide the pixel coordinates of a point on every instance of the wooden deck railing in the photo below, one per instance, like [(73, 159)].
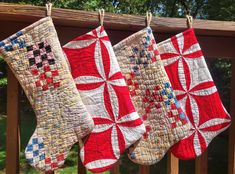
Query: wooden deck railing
[(217, 39)]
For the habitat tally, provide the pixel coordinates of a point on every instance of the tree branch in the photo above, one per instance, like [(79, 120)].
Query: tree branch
[(198, 7), (173, 9)]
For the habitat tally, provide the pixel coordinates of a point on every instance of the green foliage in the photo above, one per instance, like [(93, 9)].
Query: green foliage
[(3, 141), (3, 80), (2, 132), (221, 73), (128, 166), (2, 63), (221, 10), (2, 160)]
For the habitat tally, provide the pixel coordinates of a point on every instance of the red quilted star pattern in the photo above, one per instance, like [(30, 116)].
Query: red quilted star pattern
[(194, 87), (104, 92)]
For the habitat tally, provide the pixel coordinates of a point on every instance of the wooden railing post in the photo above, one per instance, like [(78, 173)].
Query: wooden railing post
[(201, 163), (231, 155), (81, 168), (144, 169), (115, 169), (12, 157), (172, 164)]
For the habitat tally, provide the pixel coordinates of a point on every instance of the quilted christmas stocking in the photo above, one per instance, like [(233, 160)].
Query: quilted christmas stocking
[(194, 87), (104, 92), (152, 95), (35, 56)]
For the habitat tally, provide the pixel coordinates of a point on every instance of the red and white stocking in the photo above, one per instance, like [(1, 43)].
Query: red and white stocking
[(194, 87), (104, 92)]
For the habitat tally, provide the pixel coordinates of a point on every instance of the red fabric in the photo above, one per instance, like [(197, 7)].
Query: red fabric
[(194, 87), (104, 92)]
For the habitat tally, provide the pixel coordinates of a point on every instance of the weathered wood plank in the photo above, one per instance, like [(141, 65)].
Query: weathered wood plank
[(115, 169), (231, 154), (144, 169), (172, 164), (201, 164), (12, 158), (81, 168), (78, 18)]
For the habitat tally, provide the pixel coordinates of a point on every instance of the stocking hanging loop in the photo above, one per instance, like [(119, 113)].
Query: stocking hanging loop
[(48, 7), (148, 18), (189, 21), (101, 16)]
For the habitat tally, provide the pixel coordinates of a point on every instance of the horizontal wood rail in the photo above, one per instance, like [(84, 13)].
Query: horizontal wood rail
[(78, 18), (217, 39)]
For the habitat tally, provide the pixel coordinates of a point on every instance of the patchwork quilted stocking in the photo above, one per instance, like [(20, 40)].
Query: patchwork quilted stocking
[(152, 95), (194, 87), (104, 92), (35, 56)]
